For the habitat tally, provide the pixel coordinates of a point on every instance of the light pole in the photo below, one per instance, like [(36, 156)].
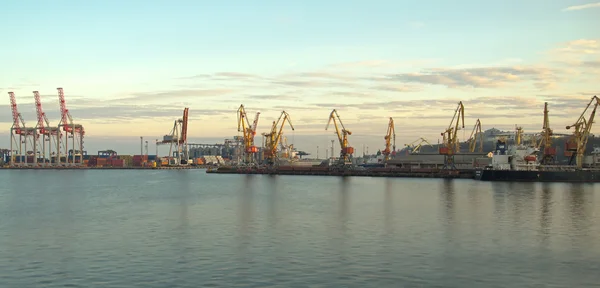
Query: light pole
[(317, 152)]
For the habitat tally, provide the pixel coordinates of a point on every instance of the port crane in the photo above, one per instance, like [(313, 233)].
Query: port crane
[(75, 132), (248, 134), (476, 136), (415, 147), (549, 152), (451, 145), (273, 138), (20, 135), (346, 151), (576, 144), (390, 140), (47, 137), (177, 140)]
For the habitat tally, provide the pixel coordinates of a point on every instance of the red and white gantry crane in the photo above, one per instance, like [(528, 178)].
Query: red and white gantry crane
[(47, 137), (74, 134)]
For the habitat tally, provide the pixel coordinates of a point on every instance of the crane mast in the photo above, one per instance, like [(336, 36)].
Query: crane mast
[(549, 152), (578, 141), (342, 134), (476, 136), (273, 138), (451, 145), (390, 140), (248, 133)]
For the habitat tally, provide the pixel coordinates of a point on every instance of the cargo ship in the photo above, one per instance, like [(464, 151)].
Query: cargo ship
[(519, 163)]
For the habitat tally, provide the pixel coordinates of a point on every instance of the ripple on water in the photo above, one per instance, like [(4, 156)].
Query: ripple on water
[(186, 228)]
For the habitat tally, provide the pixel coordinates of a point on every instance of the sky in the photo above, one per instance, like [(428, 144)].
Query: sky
[(128, 68)]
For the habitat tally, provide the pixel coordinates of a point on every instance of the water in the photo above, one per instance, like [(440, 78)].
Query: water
[(191, 229)]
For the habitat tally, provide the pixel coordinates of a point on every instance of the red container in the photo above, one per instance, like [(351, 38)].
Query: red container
[(117, 162), (444, 150), (550, 151), (570, 146), (348, 150), (530, 158)]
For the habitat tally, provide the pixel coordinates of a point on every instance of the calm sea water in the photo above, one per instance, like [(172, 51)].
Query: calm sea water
[(190, 229)]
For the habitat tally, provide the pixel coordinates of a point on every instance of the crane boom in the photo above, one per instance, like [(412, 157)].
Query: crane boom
[(18, 121), (476, 136), (576, 145), (342, 134), (273, 138), (248, 133), (390, 140), (451, 145)]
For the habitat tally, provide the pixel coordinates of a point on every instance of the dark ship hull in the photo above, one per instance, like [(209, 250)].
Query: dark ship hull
[(580, 176)]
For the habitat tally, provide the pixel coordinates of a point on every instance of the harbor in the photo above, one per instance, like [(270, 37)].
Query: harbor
[(488, 155)]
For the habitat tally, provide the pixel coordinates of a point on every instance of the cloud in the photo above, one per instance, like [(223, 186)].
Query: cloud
[(584, 6), (397, 88), (175, 94), (273, 97), (484, 77)]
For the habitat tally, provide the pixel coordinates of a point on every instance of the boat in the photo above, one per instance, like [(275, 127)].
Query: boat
[(519, 163)]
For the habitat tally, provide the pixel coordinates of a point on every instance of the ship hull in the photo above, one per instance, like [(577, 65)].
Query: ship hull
[(580, 176)]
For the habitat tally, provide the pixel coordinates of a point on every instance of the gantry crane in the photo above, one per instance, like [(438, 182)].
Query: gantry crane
[(47, 137), (248, 134), (177, 140), (415, 147), (390, 140), (346, 151), (20, 136), (451, 145), (273, 138), (576, 144), (73, 131), (476, 136)]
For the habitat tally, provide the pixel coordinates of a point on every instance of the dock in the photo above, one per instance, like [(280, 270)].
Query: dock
[(326, 171), (102, 168)]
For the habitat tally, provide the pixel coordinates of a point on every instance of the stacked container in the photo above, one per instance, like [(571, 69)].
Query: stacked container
[(127, 160), (139, 160)]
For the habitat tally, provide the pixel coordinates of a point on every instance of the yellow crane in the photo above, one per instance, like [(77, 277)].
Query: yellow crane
[(248, 132), (451, 145), (390, 140), (342, 134), (415, 147), (476, 136), (576, 144), (273, 138), (549, 152)]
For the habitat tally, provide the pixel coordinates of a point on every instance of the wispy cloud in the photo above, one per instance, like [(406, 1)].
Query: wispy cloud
[(484, 77), (174, 94), (581, 7)]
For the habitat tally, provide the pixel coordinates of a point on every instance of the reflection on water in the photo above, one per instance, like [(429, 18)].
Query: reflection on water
[(388, 206), (190, 229), (545, 212), (246, 212), (447, 196)]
